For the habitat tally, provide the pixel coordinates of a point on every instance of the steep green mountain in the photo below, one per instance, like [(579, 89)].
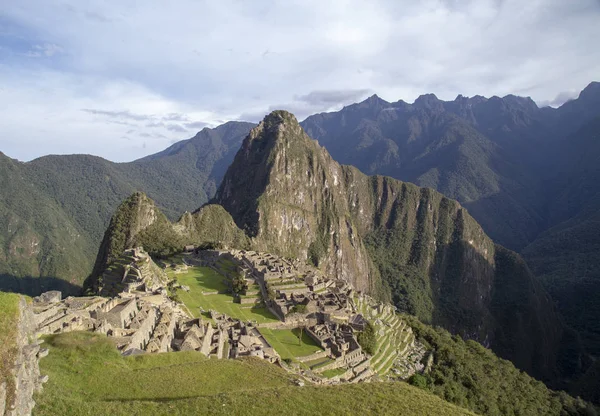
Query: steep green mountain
[(567, 256), (56, 208), (445, 146), (38, 237), (392, 239), (138, 222), (528, 175)]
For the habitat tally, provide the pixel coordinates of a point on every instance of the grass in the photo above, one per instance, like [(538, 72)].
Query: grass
[(9, 315), (334, 372), (285, 342), (89, 377), (205, 279), (322, 363)]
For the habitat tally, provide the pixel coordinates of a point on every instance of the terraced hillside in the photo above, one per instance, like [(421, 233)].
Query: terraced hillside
[(396, 346)]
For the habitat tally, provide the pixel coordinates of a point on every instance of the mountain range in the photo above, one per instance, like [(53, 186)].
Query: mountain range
[(527, 175)]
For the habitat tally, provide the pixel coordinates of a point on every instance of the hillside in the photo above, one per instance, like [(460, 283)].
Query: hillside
[(56, 208), (88, 376), (567, 256), (397, 241), (410, 244), (9, 317)]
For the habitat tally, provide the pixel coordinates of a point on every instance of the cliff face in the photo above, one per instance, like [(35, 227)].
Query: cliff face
[(293, 199), (288, 194)]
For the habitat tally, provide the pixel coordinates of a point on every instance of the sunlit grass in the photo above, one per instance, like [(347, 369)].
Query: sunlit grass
[(89, 377), (286, 342), (204, 279)]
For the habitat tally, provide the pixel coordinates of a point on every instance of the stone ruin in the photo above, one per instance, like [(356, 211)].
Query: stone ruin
[(133, 271), (142, 319), (301, 296), (136, 322)]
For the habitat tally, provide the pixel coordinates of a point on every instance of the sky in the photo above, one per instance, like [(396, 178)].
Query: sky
[(123, 79)]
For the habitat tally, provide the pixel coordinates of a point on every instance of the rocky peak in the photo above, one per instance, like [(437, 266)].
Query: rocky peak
[(591, 93), (525, 104), (428, 101)]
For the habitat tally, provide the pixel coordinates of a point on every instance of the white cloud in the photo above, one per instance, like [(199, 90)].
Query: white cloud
[(201, 62), (47, 50)]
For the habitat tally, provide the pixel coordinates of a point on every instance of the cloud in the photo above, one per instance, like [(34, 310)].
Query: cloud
[(46, 50), (118, 114), (196, 125), (154, 62), (176, 128), (333, 97), (561, 98), (175, 117)]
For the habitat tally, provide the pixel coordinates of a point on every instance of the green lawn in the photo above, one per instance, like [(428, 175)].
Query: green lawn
[(205, 279), (334, 372), (9, 314), (89, 377), (285, 342)]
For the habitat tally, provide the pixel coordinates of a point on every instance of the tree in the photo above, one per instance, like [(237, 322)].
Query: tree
[(368, 339)]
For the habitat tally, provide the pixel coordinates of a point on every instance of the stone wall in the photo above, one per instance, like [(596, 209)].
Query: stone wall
[(26, 371), (290, 323), (315, 356), (144, 333)]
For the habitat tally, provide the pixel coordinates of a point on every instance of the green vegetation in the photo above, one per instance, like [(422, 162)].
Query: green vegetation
[(287, 342), (9, 315), (471, 376), (368, 339), (299, 308), (212, 223), (88, 376), (205, 279), (333, 373)]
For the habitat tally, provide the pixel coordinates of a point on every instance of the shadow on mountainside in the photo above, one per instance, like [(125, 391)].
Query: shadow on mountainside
[(34, 286)]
